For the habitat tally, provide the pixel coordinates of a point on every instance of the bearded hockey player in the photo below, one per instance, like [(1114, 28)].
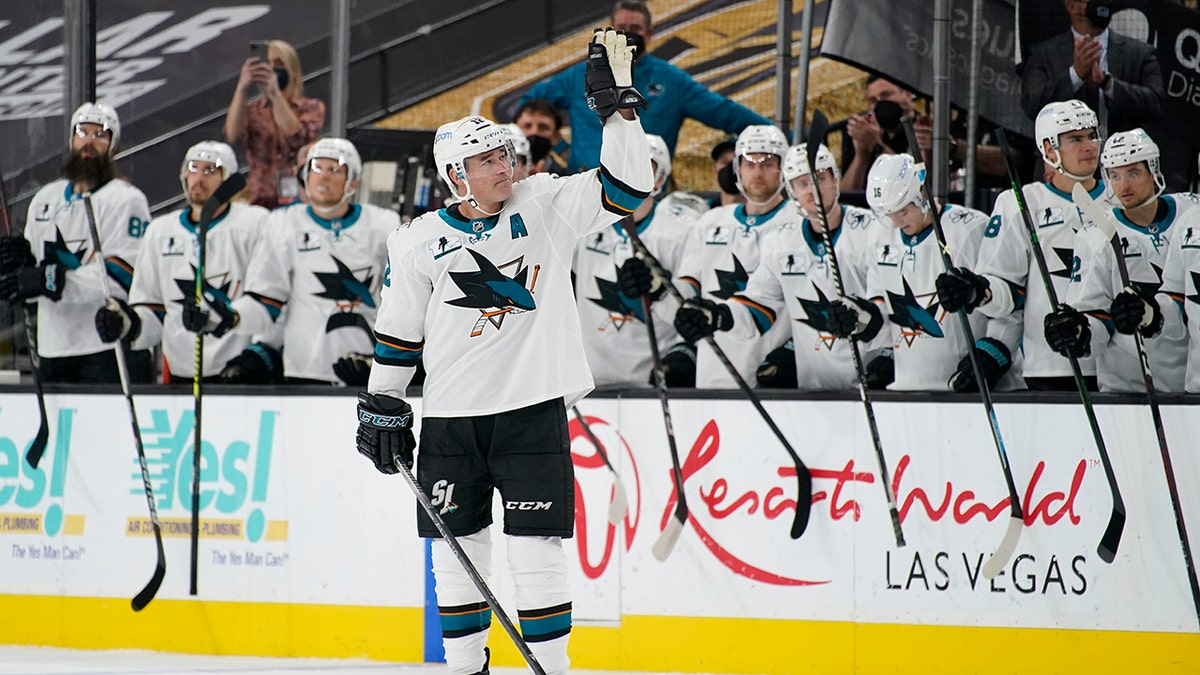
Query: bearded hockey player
[(481, 291)]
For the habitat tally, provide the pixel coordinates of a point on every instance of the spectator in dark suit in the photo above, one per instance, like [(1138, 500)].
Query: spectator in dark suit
[(1117, 76)]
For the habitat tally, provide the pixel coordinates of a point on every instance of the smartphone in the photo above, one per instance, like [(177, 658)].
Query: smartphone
[(258, 49)]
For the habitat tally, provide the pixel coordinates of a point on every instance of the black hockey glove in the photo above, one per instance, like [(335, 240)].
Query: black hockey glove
[(994, 361), (679, 366), (1131, 310), (31, 282), (699, 318), (853, 316), (15, 254), (961, 289), (778, 369), (200, 320), (635, 279), (608, 79), (353, 368), (116, 320), (881, 371), (257, 364), (385, 431), (1068, 333)]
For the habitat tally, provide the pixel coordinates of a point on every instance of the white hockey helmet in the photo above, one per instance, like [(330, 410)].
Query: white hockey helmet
[(215, 152), (338, 149), (895, 181), (1131, 147), (455, 141), (661, 156), (98, 113), (795, 164), (764, 139), (1058, 118), (519, 141)]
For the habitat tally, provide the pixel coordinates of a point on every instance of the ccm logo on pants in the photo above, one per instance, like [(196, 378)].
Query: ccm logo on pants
[(528, 506)]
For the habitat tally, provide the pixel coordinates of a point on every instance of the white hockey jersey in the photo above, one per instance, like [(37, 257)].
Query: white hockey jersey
[(1179, 297), (1006, 259), (1097, 281), (166, 278), (487, 303), (614, 328), (57, 230), (789, 295), (721, 253), (685, 206), (328, 273), (927, 342)]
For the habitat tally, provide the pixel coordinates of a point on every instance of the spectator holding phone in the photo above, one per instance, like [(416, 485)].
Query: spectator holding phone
[(273, 127)]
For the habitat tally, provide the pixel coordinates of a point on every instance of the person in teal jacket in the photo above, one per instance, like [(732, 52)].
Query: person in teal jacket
[(671, 95)]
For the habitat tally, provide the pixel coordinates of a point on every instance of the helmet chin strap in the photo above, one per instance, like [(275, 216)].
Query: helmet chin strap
[(470, 199), (327, 212), (762, 203)]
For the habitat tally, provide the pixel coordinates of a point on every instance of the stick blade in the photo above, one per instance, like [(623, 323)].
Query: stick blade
[(1003, 553), (1093, 211), (232, 185), (619, 505), (666, 541), (38, 447), (147, 594), (817, 130), (1107, 550), (803, 502)]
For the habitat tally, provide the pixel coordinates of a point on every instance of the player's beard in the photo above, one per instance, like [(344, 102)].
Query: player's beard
[(94, 171)]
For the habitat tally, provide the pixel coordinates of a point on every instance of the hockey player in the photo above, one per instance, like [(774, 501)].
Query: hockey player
[(1006, 284), (324, 262), (1180, 293), (610, 281), (166, 276), (1100, 315), (724, 249), (55, 263), (482, 291), (792, 288), (927, 343), (521, 151)]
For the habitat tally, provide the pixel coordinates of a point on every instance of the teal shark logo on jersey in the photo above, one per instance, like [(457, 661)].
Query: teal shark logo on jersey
[(731, 281), (817, 316), (1195, 284), (188, 288), (1067, 257), (489, 287), (343, 286), (619, 305), (57, 251), (912, 317)]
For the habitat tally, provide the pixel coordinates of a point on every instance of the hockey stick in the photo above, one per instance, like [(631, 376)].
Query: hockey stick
[(803, 477), (619, 505), (670, 534), (38, 447), (147, 594), (816, 136), (1107, 550), (1100, 217), (224, 192), (468, 566), (1016, 523)]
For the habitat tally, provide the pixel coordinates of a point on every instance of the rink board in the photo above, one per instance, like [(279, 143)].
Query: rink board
[(306, 551)]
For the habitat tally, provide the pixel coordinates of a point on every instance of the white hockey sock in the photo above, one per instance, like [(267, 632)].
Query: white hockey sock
[(539, 570), (465, 615)]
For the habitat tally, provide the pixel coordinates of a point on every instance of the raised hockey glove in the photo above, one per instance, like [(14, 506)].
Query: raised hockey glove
[(1132, 311), (854, 317), (1067, 332), (116, 320), (679, 366), (778, 369), (200, 320), (994, 360), (635, 279), (385, 431), (961, 289), (881, 371), (699, 318), (256, 364), (608, 79), (15, 254), (31, 282), (353, 368)]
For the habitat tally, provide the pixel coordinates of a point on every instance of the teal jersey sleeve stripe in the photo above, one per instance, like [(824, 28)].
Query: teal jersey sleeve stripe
[(392, 351), (618, 197), (120, 271), (274, 307)]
